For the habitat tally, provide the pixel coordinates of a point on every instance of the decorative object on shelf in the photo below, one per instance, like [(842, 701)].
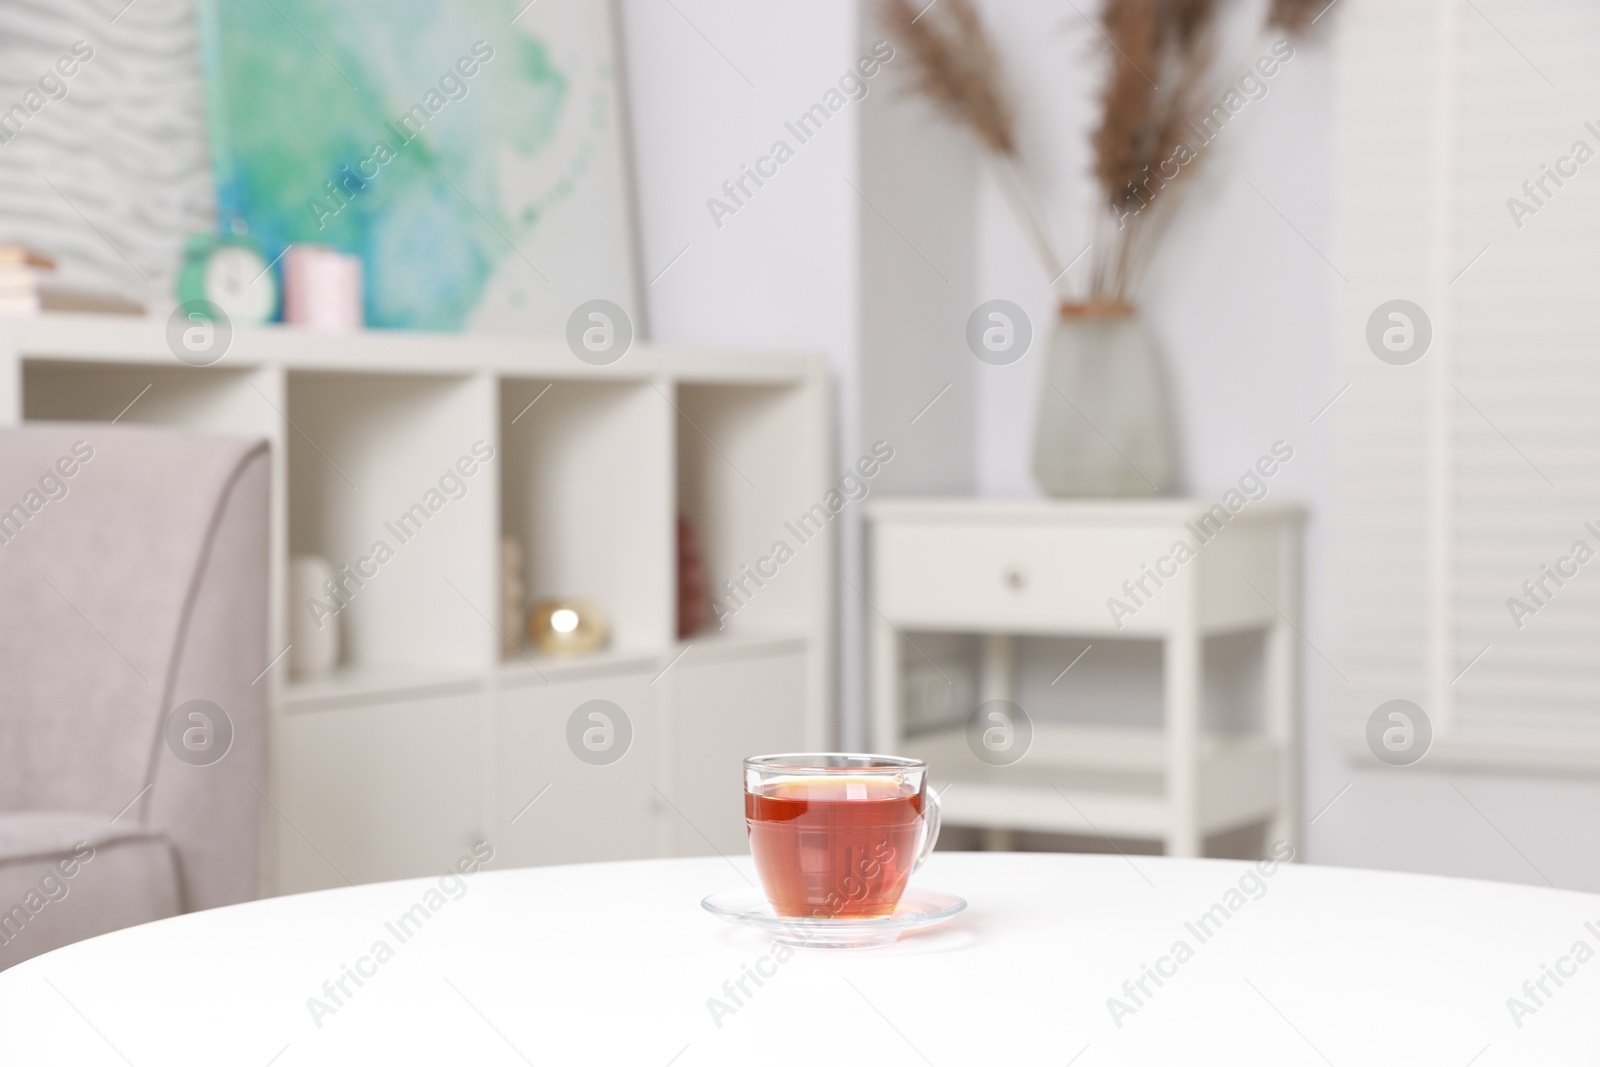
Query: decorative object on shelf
[(87, 301), (513, 595), (691, 580), (1105, 418), (24, 289), (314, 641), (20, 270), (321, 289), (568, 627), (484, 147), (229, 270)]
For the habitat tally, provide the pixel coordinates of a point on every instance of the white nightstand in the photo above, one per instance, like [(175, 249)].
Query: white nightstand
[(1002, 568)]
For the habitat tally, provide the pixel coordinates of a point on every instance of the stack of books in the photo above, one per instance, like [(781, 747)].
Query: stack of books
[(21, 269), (24, 289)]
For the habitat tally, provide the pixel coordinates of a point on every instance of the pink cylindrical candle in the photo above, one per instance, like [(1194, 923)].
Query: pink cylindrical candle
[(321, 289)]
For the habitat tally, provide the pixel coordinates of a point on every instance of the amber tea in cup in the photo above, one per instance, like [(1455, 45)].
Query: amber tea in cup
[(836, 835)]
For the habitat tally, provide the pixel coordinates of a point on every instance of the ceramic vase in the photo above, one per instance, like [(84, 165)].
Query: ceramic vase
[(1105, 423)]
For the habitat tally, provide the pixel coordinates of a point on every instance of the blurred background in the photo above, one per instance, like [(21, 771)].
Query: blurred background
[(754, 250), (1378, 167)]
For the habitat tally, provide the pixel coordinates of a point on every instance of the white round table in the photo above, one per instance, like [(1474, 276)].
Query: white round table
[(617, 964)]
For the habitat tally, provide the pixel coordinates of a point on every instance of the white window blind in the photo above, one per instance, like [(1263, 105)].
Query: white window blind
[(1477, 469)]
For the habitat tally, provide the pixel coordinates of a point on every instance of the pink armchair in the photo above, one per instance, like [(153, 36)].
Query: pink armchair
[(133, 582)]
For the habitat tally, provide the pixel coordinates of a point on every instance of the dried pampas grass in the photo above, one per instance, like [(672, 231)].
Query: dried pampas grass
[(1159, 53), (956, 67), (1296, 16), (1160, 79)]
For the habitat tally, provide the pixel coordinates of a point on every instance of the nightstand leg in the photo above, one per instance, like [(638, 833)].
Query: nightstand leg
[(995, 840), (997, 672), (997, 680), (1281, 695), (885, 727), (1182, 683)]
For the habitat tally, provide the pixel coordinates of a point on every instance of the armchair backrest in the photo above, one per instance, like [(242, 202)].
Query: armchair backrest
[(133, 579)]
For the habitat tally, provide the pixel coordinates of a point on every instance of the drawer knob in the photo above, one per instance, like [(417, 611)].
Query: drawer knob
[(1015, 577)]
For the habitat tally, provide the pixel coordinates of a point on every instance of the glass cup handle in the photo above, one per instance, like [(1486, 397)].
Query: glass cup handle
[(932, 817)]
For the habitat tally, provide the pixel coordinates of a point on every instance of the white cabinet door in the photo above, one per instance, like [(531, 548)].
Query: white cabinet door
[(724, 711), (577, 772), (376, 792)]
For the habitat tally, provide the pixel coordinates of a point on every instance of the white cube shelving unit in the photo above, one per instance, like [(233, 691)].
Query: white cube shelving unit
[(430, 736)]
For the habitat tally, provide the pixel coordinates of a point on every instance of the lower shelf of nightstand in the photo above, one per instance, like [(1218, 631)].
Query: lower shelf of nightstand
[(1098, 780)]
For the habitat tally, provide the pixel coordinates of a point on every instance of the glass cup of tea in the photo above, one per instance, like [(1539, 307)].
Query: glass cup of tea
[(837, 835)]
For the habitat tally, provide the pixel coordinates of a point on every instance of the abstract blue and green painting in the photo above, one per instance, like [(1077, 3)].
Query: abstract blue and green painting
[(469, 151)]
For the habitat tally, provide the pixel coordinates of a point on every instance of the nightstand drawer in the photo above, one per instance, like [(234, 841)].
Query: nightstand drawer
[(1015, 578)]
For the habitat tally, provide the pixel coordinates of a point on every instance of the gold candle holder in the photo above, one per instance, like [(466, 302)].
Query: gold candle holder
[(568, 627)]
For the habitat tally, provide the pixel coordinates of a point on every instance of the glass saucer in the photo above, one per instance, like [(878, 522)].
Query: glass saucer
[(917, 909)]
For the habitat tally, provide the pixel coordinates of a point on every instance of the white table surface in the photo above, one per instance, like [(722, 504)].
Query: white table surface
[(615, 963)]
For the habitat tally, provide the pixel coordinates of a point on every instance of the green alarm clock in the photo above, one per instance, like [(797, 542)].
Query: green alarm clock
[(230, 271)]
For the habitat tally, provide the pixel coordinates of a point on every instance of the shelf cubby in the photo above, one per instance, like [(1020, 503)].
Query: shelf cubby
[(585, 481), (383, 459), (222, 400), (747, 480)]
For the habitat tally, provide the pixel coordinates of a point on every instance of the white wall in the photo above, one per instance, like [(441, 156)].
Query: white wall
[(856, 249), (711, 84), (917, 262), (780, 273)]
